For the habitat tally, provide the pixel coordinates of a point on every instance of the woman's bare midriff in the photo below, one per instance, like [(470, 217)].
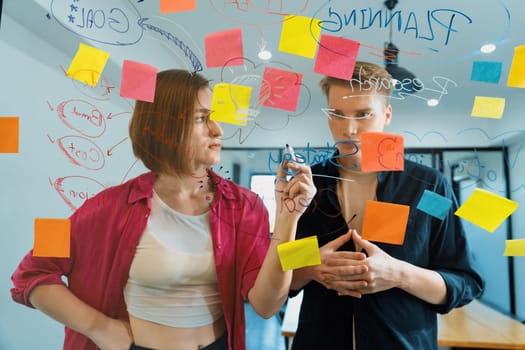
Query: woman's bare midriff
[(160, 337)]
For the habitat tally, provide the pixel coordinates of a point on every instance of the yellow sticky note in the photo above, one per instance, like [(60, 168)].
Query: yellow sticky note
[(299, 253), (230, 103), (88, 64), (300, 35), (517, 68), (488, 107), (486, 209), (52, 238), (514, 247)]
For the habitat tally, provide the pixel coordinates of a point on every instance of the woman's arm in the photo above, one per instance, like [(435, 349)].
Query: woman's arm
[(292, 198), (58, 302)]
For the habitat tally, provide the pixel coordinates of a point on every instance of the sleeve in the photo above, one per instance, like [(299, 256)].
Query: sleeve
[(33, 271), (452, 258), (258, 239)]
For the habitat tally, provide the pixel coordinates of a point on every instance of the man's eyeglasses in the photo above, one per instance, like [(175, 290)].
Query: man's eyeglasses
[(331, 114)]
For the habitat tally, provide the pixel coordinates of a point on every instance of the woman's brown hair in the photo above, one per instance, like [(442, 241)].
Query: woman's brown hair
[(160, 131)]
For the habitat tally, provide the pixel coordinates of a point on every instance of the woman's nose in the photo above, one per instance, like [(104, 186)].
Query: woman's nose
[(215, 128)]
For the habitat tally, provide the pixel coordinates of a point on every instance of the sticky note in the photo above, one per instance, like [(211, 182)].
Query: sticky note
[(167, 6), (484, 71), (300, 35), (336, 57), (381, 151), (514, 247), (138, 81), (385, 222), (485, 209), (9, 134), (224, 48), (434, 204), (299, 253), (230, 103), (280, 89), (517, 68), (488, 107), (52, 238), (88, 64)]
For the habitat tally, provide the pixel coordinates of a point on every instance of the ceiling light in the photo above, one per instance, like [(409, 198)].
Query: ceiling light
[(488, 48), (264, 54), (406, 81), (433, 102)]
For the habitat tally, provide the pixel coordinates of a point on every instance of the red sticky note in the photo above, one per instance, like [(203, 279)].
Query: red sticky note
[(381, 151), (336, 56), (224, 48), (52, 238), (385, 222), (167, 6), (9, 134), (138, 81), (280, 89)]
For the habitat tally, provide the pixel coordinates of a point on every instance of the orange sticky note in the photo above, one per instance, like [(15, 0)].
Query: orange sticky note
[(138, 81), (381, 151), (52, 238), (488, 107), (517, 68), (167, 6), (385, 222), (88, 64), (224, 48), (300, 35), (9, 134)]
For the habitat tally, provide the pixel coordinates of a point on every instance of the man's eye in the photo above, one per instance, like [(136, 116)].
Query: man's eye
[(365, 114)]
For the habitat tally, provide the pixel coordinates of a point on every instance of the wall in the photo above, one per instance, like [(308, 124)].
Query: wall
[(34, 86)]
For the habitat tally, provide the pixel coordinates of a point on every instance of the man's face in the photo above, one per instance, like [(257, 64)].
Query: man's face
[(350, 112)]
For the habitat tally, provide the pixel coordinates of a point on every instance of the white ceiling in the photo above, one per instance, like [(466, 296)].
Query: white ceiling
[(438, 42)]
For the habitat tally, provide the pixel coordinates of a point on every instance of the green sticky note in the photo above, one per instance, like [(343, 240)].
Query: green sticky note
[(230, 103), (299, 253), (486, 210), (514, 247)]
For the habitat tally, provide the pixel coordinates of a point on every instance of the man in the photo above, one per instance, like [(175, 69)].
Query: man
[(371, 295)]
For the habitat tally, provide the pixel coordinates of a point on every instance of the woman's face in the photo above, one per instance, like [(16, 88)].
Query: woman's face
[(206, 137)]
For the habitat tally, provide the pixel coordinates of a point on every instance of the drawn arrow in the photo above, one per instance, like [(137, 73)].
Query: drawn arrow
[(109, 152)]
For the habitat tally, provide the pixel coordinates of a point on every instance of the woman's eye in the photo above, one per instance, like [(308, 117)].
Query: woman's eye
[(201, 119)]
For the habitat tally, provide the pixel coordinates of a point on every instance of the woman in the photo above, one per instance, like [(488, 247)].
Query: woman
[(167, 259)]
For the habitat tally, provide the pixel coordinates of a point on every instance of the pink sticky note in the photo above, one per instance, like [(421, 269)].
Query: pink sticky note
[(336, 56), (224, 48), (138, 81), (280, 89), (382, 151)]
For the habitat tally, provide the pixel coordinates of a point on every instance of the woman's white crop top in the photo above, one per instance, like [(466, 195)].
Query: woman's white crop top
[(172, 280)]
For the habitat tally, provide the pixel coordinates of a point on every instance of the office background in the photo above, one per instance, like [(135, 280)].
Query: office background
[(438, 41)]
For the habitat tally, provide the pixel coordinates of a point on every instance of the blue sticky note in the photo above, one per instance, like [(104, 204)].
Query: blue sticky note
[(434, 204), (488, 72)]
